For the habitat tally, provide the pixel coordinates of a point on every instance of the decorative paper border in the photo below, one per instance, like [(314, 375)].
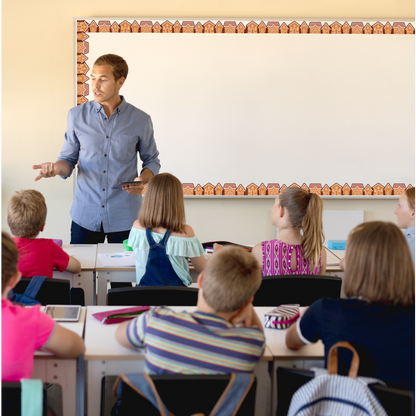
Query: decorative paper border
[(230, 189), (189, 26), (272, 27)]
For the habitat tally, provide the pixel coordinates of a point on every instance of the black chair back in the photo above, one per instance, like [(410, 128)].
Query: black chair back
[(395, 401), (183, 395), (153, 296), (11, 399), (52, 292), (301, 289)]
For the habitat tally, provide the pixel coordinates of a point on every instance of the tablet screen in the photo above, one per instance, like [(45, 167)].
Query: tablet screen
[(63, 312)]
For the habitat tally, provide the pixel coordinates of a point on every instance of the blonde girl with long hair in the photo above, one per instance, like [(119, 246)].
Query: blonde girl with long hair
[(161, 241), (299, 248)]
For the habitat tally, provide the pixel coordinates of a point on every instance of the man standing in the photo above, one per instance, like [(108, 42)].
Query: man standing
[(104, 136)]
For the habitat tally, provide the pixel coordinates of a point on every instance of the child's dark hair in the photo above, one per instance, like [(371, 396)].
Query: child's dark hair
[(305, 213), (9, 257)]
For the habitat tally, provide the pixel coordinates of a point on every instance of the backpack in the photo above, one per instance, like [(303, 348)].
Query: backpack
[(28, 297), (227, 405), (330, 394)]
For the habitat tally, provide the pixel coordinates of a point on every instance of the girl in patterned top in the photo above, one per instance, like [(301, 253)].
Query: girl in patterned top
[(161, 241), (298, 249)]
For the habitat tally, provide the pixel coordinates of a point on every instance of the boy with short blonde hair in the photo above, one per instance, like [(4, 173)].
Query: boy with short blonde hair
[(222, 336), (26, 215)]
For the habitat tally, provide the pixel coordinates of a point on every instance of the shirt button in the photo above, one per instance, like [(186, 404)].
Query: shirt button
[(103, 189), (103, 171), (102, 206), (105, 155), (106, 137)]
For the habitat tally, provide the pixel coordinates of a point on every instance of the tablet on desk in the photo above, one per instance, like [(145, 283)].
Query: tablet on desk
[(64, 313), (121, 184)]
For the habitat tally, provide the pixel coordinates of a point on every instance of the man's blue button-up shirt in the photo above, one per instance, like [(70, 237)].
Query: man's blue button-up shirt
[(106, 149), (410, 237)]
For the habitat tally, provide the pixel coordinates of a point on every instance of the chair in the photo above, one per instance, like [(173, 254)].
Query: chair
[(11, 399), (395, 401), (183, 395), (153, 296), (304, 289), (52, 292)]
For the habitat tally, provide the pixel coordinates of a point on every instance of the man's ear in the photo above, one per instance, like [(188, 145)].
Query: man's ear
[(120, 82), (199, 280), (413, 214)]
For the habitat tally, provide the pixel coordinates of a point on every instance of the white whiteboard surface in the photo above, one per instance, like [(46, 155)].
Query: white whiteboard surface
[(339, 223), (286, 108)]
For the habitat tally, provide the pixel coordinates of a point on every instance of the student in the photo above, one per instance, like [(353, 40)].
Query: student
[(298, 249), (406, 218), (26, 329), (26, 215), (378, 316), (224, 335), (161, 240)]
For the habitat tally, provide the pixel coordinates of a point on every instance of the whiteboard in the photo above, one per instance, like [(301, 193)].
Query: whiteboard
[(273, 108), (338, 224)]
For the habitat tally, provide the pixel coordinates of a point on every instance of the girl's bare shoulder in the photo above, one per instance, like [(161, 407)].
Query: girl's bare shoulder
[(137, 225), (188, 232)]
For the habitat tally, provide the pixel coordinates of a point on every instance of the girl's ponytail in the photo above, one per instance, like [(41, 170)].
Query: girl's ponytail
[(313, 233)]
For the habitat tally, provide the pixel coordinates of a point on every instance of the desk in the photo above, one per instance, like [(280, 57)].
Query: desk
[(104, 356), (307, 357), (87, 255), (69, 373), (110, 274)]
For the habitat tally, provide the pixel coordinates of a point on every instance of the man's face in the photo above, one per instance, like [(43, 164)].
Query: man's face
[(104, 87)]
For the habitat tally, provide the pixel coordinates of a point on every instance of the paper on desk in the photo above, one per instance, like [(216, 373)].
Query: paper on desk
[(122, 259)]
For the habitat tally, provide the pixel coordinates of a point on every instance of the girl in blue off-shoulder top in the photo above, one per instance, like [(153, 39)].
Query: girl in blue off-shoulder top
[(161, 241)]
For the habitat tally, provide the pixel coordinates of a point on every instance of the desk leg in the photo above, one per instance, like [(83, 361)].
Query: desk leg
[(85, 280), (263, 389), (102, 279), (63, 372), (97, 369)]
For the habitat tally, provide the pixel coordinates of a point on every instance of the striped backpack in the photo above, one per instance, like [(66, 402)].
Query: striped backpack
[(329, 394)]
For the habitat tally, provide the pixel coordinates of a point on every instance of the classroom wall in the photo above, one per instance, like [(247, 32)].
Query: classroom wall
[(37, 92)]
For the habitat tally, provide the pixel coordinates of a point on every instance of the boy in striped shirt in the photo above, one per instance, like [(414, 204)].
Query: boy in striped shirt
[(223, 335)]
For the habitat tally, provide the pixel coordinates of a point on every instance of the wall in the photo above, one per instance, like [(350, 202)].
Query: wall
[(37, 91)]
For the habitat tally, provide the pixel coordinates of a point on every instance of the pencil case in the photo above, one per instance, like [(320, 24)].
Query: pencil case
[(120, 315), (282, 317)]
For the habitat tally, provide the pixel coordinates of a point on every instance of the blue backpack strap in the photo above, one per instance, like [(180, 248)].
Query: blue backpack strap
[(34, 286), (32, 397), (233, 395), (143, 385)]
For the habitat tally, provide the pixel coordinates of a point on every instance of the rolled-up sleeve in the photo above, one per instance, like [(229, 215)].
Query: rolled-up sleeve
[(148, 150), (70, 149)]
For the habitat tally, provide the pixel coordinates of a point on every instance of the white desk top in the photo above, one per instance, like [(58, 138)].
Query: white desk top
[(275, 341), (110, 248), (101, 344), (77, 327), (85, 253)]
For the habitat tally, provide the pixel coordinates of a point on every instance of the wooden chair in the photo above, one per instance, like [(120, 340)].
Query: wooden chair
[(395, 401), (183, 395), (301, 289), (53, 291), (11, 399), (153, 296)]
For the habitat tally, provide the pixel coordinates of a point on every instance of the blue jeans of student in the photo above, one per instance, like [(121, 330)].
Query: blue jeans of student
[(80, 235)]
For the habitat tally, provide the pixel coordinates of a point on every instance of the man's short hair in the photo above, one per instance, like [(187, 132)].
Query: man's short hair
[(119, 65), (231, 277), (9, 257), (26, 213)]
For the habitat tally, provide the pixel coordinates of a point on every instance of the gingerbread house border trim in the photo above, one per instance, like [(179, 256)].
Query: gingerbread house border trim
[(83, 27)]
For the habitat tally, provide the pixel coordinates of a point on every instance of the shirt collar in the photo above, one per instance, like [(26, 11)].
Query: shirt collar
[(119, 109), (410, 230)]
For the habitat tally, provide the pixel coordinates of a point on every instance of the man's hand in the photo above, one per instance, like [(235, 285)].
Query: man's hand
[(47, 170), (134, 189)]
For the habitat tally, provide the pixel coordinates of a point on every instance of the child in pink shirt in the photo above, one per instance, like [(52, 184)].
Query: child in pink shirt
[(26, 329), (26, 215)]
